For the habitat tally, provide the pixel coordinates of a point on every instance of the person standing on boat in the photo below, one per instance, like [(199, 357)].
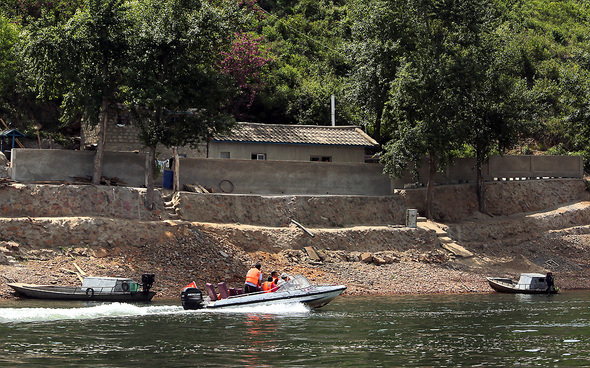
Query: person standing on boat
[(550, 282), (253, 279)]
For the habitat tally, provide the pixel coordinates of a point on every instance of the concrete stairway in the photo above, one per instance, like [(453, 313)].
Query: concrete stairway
[(170, 208), (445, 241)]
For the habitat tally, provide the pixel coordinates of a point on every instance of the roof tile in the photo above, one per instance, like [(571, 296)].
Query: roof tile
[(298, 134)]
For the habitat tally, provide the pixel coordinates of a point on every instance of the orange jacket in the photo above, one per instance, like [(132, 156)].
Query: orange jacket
[(267, 286), (253, 276)]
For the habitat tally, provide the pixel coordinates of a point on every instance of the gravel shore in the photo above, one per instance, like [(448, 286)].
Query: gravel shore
[(206, 257)]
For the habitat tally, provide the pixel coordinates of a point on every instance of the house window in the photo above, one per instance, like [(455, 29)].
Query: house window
[(223, 154), (123, 119), (259, 156), (321, 158)]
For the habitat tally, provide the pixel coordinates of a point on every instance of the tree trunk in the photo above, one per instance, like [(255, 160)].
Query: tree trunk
[(481, 190), (149, 179), (176, 168), (378, 118), (99, 154), (430, 186)]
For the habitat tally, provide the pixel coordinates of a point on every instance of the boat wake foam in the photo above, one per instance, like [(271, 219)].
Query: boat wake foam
[(276, 308), (8, 315), (11, 315)]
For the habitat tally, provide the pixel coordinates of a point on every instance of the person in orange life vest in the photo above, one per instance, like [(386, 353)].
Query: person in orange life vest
[(275, 276), (253, 279), (275, 280), (268, 285)]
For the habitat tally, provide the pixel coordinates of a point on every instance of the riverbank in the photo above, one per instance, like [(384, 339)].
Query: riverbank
[(414, 262), (46, 230)]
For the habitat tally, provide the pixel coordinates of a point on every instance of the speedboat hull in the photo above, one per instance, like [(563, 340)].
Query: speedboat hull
[(313, 296), (76, 293)]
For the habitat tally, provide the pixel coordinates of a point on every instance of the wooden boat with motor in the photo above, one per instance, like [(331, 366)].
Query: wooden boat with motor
[(529, 283), (107, 289)]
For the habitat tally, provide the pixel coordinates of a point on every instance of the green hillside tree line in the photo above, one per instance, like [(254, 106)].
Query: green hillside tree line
[(440, 79)]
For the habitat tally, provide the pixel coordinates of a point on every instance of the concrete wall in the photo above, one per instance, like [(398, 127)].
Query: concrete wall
[(279, 177), (30, 165), (500, 168), (286, 152), (286, 177), (505, 167)]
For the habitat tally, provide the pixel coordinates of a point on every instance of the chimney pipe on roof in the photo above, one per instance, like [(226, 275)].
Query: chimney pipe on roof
[(333, 110)]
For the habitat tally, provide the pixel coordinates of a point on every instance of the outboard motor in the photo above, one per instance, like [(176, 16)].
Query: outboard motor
[(191, 298), (147, 280)]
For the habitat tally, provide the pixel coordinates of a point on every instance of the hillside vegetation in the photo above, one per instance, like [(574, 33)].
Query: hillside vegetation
[(446, 78)]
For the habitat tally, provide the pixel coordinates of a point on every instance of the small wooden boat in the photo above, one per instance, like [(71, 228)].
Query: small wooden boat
[(297, 290), (529, 283), (107, 289)]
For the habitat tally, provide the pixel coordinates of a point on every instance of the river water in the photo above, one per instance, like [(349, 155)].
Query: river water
[(480, 330)]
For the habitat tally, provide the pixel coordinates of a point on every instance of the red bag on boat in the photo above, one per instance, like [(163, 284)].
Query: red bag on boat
[(191, 285)]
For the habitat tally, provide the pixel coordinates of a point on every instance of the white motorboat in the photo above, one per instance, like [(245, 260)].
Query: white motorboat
[(297, 290)]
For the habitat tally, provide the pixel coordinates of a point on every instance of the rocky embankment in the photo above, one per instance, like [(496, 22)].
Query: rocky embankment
[(368, 259)]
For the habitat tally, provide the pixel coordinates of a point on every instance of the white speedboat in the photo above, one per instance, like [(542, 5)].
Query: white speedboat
[(296, 290)]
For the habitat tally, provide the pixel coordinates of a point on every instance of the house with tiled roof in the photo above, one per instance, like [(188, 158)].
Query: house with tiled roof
[(247, 141), (276, 142)]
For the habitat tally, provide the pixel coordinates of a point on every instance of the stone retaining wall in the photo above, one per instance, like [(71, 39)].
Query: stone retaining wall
[(75, 200), (315, 211), (56, 233), (489, 229), (369, 239), (453, 203)]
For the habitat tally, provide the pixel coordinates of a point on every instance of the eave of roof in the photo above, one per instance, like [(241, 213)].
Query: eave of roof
[(11, 133), (255, 133)]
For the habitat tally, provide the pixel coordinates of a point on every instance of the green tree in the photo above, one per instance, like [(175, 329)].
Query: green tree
[(175, 86), (82, 61), (498, 105), (435, 85), (8, 63), (53, 12), (304, 39), (380, 37)]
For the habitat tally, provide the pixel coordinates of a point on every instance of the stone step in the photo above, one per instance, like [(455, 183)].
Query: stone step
[(421, 219), (431, 226), (312, 254), (445, 239), (457, 250)]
